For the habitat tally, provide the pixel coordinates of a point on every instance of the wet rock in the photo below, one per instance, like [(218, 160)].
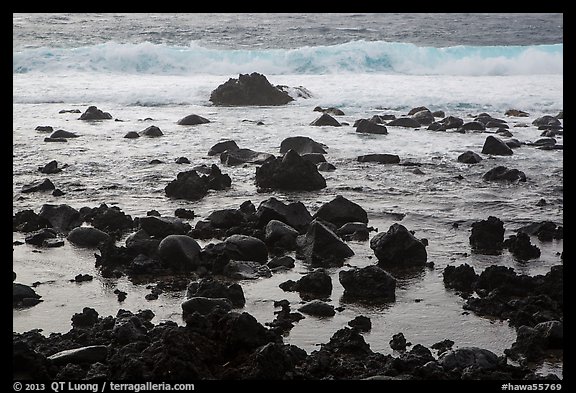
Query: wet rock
[(281, 262), (314, 158), (326, 120), (87, 318), (44, 129), (93, 113), (369, 127), (340, 211), (41, 236), (151, 131), (27, 363), (63, 134), (192, 120), (161, 227), (301, 145), (246, 270), (87, 236), (225, 218), (404, 122), (221, 147), (487, 236), (214, 288), (190, 186), (24, 296), (204, 305), (360, 322), (132, 135), (294, 214), (370, 283), (184, 213), (246, 248), (179, 252), (28, 221), (111, 220), (330, 111), (249, 89), (37, 186), (516, 113), (398, 342), (496, 146), (289, 172), (424, 117), (381, 158), (502, 173), (84, 355), (533, 344), (322, 247), (55, 140), (316, 284), (358, 231), (469, 157), (472, 126), (398, 247), (318, 308), (521, 247), (460, 278), (452, 122), (244, 156), (182, 160), (547, 120), (280, 235), (466, 357), (544, 230), (62, 218), (50, 168), (443, 346)]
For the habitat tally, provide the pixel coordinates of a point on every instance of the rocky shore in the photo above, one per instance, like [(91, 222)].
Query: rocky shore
[(219, 341)]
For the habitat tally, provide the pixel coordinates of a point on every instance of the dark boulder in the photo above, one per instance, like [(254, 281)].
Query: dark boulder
[(24, 296), (87, 236), (179, 252), (93, 113), (469, 357), (293, 214), (221, 147), (63, 218), (214, 288), (487, 236), (151, 131), (326, 120), (50, 168), (398, 342), (340, 211), (502, 173), (161, 227), (331, 111), (380, 158), (369, 127), (322, 247), (204, 306), (192, 120), (423, 117), (516, 113), (249, 89), (225, 218), (544, 230), (496, 146), (191, 186), (371, 283), (317, 308), (63, 134), (233, 157), (44, 129), (302, 145), (472, 126), (314, 158), (398, 247), (132, 135), (326, 167), (289, 172), (280, 234), (37, 186), (460, 278), (316, 284), (469, 157), (28, 221), (404, 122), (246, 248), (246, 270), (360, 322), (521, 247), (547, 121)]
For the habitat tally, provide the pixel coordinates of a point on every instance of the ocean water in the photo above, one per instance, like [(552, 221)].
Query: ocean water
[(164, 67)]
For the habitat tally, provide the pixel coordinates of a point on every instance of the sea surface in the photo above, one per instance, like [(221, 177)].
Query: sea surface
[(163, 67)]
